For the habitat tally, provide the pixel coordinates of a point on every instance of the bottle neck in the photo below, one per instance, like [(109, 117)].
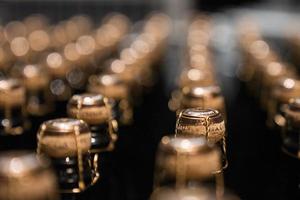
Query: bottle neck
[(291, 140)]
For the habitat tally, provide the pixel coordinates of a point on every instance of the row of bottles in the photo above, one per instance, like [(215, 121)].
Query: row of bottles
[(76, 143), (48, 81), (190, 164), (276, 86)]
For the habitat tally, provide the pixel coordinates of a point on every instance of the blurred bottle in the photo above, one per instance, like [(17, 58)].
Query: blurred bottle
[(39, 101), (272, 73), (187, 162), (111, 86), (12, 107), (290, 160), (24, 176), (283, 91), (96, 111), (67, 143), (58, 67)]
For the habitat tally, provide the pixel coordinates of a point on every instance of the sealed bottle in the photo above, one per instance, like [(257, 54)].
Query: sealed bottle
[(67, 143), (291, 135), (208, 123), (12, 113), (257, 55), (39, 101), (290, 159), (111, 86), (96, 111), (187, 162), (284, 90), (58, 67), (24, 176), (272, 73), (79, 56)]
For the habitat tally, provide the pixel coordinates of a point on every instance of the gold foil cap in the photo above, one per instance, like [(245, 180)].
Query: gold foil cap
[(91, 108), (201, 122), (64, 137), (196, 158), (23, 176), (109, 85), (12, 93)]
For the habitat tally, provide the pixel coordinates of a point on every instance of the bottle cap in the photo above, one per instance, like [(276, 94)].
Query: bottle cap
[(91, 108), (201, 122), (64, 137)]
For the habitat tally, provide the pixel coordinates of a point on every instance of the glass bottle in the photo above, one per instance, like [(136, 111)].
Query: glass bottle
[(188, 162), (24, 176), (12, 112), (67, 143), (111, 86), (283, 91), (208, 123), (290, 159), (39, 101)]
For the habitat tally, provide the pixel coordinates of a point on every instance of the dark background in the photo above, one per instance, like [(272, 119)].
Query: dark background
[(257, 169)]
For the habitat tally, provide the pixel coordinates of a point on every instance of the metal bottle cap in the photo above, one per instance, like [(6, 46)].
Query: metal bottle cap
[(25, 177), (91, 108), (187, 158), (12, 93), (201, 122), (64, 137)]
